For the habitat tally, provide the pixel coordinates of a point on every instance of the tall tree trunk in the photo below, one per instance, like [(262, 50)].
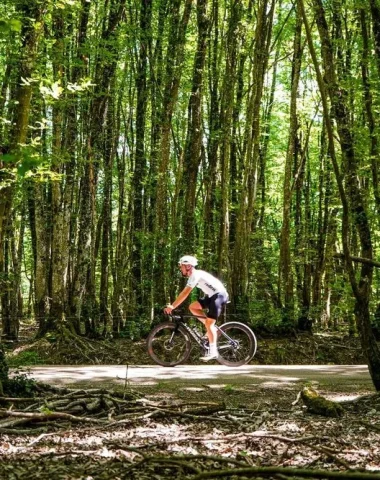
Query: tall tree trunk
[(86, 303), (361, 289), (226, 118), (326, 216), (375, 13), (286, 280), (175, 56), (31, 14), (209, 224), (372, 120), (193, 146), (59, 252), (78, 69), (110, 146), (241, 251), (11, 298), (140, 276)]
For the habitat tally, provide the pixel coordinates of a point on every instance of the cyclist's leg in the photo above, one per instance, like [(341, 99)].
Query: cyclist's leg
[(197, 309), (215, 308), (214, 305)]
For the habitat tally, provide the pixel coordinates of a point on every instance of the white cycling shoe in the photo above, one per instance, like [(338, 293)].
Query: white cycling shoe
[(209, 356)]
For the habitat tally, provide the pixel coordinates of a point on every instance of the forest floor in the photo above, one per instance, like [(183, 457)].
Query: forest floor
[(298, 349), (190, 431)]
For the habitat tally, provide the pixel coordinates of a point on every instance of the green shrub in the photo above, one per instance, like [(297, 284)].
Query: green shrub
[(25, 358), (20, 385)]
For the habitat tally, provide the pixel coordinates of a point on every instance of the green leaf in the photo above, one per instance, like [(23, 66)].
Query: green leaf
[(15, 25), (4, 27), (28, 163), (12, 25), (8, 158)]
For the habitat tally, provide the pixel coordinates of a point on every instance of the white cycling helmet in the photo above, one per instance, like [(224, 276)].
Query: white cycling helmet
[(188, 260)]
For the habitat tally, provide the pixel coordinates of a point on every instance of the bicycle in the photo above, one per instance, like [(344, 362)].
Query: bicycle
[(170, 342)]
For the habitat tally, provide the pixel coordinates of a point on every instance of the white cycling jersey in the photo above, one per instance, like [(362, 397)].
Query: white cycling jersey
[(206, 282)]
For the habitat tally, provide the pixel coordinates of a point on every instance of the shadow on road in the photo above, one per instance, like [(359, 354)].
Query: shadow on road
[(193, 374)]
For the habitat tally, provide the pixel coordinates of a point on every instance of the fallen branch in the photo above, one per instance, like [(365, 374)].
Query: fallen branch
[(50, 416), (288, 472)]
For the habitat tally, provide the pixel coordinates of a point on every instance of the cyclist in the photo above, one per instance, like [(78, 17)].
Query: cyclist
[(216, 297)]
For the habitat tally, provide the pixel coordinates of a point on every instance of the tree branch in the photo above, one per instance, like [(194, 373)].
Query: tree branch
[(367, 261)]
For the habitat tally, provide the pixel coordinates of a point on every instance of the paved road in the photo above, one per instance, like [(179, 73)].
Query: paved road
[(349, 375)]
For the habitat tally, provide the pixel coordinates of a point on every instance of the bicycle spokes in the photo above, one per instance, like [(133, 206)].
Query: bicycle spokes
[(168, 345)]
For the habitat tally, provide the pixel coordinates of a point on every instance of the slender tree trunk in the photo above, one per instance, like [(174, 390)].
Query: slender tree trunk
[(31, 14), (375, 13), (175, 56), (361, 288), (85, 298), (210, 224), (59, 251), (286, 279), (325, 217), (70, 146), (226, 118), (106, 240), (244, 225), (140, 157), (373, 125), (193, 146)]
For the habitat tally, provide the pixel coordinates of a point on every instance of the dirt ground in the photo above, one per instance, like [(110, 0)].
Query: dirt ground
[(193, 431)]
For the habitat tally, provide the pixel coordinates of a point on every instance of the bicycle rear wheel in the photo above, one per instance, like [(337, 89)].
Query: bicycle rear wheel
[(237, 344), (168, 344)]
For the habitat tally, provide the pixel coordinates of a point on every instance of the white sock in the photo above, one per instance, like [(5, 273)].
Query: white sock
[(213, 350)]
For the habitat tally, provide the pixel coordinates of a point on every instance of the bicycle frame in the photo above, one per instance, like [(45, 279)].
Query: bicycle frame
[(179, 320), (170, 342)]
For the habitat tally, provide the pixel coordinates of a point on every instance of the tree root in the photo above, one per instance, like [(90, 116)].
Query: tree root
[(99, 407), (319, 405), (55, 411)]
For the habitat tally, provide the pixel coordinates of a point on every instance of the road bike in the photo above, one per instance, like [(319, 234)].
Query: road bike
[(170, 342)]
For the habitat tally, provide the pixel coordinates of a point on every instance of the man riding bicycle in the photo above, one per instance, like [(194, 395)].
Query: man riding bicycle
[(216, 297)]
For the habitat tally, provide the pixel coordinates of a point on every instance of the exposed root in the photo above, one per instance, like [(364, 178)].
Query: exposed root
[(319, 405)]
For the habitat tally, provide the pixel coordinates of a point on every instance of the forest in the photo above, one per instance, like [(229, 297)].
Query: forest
[(245, 133)]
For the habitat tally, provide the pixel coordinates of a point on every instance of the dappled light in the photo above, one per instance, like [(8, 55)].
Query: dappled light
[(199, 419), (252, 374)]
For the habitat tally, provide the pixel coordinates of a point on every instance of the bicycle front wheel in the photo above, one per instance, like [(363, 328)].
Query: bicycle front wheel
[(168, 344), (237, 344)]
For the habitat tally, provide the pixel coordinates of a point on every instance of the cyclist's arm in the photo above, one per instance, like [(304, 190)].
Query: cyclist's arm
[(181, 298)]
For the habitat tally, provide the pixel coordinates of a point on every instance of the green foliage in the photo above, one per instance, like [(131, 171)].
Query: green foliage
[(280, 354), (45, 410), (25, 160), (95, 125), (136, 329), (9, 26), (20, 385), (3, 365), (25, 358), (229, 389)]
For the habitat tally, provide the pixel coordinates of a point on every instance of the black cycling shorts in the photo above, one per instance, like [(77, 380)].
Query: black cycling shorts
[(214, 304)]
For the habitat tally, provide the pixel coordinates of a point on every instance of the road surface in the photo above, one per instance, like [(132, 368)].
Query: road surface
[(351, 376)]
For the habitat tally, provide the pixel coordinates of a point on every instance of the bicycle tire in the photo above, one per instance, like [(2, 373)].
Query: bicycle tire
[(242, 348), (168, 344)]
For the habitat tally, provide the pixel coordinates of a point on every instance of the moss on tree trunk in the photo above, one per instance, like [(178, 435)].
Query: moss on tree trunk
[(320, 405)]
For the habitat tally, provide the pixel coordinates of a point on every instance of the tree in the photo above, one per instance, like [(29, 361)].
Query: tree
[(351, 196)]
